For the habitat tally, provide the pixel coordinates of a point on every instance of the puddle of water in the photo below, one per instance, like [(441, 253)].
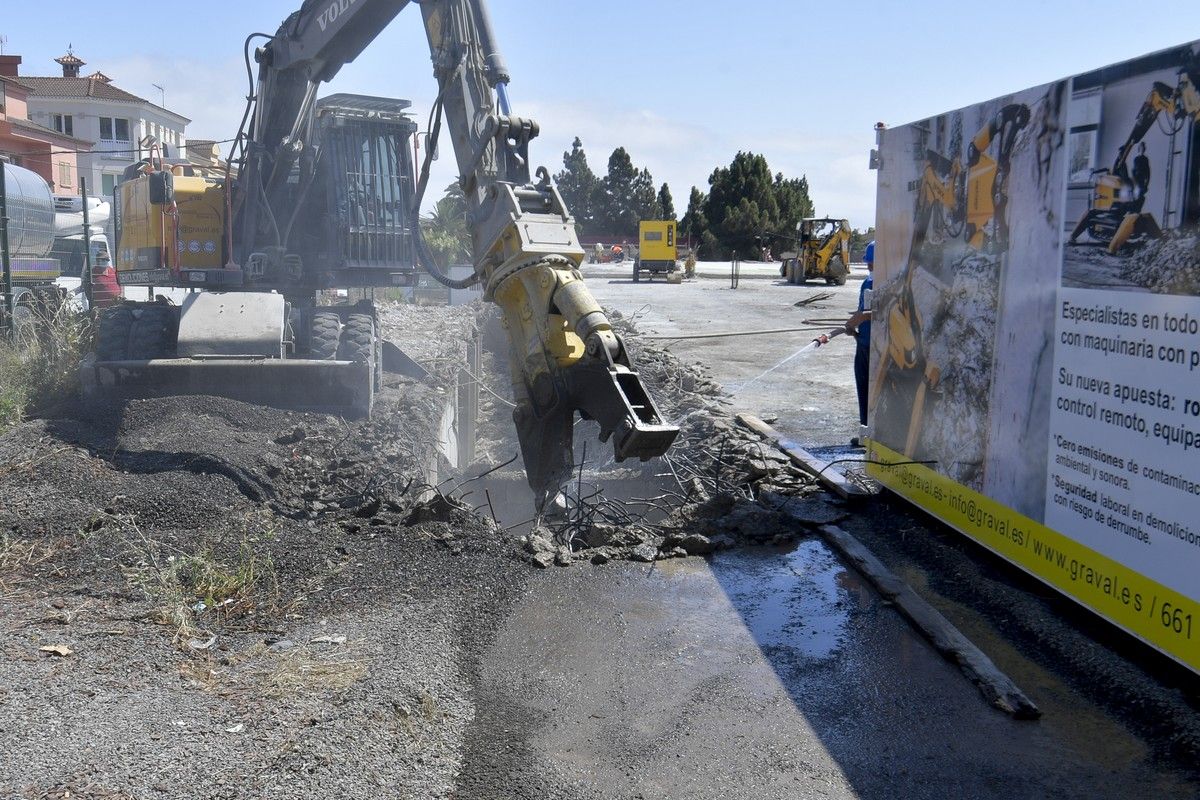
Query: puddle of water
[(800, 603)]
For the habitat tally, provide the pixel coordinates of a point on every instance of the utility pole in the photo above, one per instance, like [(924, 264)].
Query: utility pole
[(86, 278), (9, 299)]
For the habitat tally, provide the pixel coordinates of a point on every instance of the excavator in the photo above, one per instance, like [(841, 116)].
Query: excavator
[(1115, 215), (824, 252), (950, 202), (326, 196)]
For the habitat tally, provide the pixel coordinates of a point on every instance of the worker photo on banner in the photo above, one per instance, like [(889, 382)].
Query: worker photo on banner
[(1133, 193)]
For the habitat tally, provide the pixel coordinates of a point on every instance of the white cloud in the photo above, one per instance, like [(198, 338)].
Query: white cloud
[(211, 93)]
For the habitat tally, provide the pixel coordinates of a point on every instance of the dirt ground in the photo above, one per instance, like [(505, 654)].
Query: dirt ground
[(200, 598)]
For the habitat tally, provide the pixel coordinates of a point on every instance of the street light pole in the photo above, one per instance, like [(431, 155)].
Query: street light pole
[(162, 93)]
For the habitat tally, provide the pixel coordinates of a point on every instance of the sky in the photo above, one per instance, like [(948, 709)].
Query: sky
[(683, 85)]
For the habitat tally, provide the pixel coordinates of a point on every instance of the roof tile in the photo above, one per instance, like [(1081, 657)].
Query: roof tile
[(78, 87)]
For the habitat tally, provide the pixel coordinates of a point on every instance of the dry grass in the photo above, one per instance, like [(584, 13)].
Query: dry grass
[(20, 555), (195, 590), (308, 669), (42, 366)]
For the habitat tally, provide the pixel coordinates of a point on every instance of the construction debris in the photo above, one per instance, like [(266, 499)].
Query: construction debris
[(1170, 265)]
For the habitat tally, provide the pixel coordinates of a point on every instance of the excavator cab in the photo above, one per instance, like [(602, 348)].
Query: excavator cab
[(353, 190)]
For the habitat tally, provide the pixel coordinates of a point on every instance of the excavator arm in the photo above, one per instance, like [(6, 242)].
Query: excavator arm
[(565, 356)]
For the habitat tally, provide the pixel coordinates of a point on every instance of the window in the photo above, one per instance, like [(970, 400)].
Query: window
[(2, 97), (1082, 153), (108, 184), (114, 129), (64, 173), (63, 123)]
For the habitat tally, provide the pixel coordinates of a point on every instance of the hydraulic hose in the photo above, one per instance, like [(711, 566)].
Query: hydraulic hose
[(425, 259)]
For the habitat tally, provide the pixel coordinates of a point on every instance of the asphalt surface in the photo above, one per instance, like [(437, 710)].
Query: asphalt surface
[(812, 395), (761, 674)]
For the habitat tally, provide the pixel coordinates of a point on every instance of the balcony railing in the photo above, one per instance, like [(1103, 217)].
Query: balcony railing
[(123, 149)]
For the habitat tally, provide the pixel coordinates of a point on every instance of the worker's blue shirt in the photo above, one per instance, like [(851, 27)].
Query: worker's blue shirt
[(864, 330)]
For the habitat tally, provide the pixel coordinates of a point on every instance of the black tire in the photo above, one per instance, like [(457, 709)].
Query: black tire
[(112, 334), (836, 273), (326, 333), (358, 340), (150, 333)]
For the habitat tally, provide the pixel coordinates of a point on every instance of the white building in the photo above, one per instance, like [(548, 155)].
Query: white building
[(121, 124)]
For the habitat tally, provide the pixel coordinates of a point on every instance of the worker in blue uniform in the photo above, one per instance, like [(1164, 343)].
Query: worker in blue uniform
[(859, 326)]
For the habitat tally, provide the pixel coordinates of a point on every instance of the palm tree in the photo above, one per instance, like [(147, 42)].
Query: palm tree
[(445, 228)]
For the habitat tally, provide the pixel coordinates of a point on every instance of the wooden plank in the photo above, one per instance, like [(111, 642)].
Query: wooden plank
[(819, 468), (993, 684)]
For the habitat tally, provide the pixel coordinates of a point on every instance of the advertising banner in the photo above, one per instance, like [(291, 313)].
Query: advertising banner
[(1035, 364)]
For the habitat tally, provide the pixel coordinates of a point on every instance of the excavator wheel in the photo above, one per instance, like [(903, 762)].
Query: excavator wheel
[(326, 332), (358, 339), (835, 273), (112, 335)]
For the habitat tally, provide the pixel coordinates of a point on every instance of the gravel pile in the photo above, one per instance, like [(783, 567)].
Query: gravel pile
[(204, 598)]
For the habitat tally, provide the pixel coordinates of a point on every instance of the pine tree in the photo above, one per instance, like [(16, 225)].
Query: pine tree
[(620, 211), (794, 205), (645, 199), (694, 223), (745, 202), (666, 205), (579, 187)]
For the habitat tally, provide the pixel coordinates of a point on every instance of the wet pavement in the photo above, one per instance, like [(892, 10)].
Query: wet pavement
[(760, 674)]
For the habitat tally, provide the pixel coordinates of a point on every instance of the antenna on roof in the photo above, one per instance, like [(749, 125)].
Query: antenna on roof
[(3, 41)]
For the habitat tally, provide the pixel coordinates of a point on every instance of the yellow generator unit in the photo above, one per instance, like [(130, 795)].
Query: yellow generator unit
[(158, 240), (657, 250)]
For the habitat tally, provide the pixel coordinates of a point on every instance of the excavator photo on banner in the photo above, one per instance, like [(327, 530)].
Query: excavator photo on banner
[(965, 206), (327, 196), (1116, 216)]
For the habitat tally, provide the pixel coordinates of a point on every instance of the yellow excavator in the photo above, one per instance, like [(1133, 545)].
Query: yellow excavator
[(950, 202), (824, 252), (1115, 214), (326, 196)]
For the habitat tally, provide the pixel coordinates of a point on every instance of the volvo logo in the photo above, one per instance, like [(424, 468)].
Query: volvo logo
[(334, 11)]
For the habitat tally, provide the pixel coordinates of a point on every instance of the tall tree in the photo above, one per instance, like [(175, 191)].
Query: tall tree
[(745, 201), (645, 199), (694, 223), (794, 204), (666, 204), (579, 186), (445, 228), (619, 214), (741, 203)]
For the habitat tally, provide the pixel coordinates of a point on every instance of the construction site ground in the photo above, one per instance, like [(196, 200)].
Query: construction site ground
[(200, 598)]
